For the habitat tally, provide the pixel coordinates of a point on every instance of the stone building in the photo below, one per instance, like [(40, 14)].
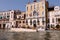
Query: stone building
[(21, 19), (4, 23), (54, 16), (36, 14), (12, 19), (7, 18)]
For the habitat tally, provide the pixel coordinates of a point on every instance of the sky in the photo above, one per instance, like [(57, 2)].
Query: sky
[(20, 4)]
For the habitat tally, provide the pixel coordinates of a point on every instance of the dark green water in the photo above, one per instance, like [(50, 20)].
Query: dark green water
[(48, 35)]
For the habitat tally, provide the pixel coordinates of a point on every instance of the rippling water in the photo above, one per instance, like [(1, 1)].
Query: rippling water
[(48, 35)]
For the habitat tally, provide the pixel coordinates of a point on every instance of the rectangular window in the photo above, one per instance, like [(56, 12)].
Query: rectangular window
[(38, 21), (48, 20), (0, 17), (4, 17), (30, 22), (43, 5), (34, 6), (56, 19), (38, 6), (8, 13), (52, 20), (4, 13), (31, 7), (43, 13), (43, 21), (26, 22), (12, 12), (11, 16), (27, 8), (0, 25), (19, 21), (24, 16), (23, 21), (7, 17), (19, 17)]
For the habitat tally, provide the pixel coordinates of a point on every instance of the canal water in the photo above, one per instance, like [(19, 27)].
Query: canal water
[(47, 35)]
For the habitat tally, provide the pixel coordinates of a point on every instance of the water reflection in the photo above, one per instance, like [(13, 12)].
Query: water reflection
[(6, 35), (47, 36), (18, 36)]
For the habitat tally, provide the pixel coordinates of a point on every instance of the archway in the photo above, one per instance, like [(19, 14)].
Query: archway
[(34, 23), (4, 26), (0, 26)]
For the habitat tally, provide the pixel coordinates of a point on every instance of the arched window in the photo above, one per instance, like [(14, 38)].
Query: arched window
[(30, 14), (31, 7), (24, 16), (26, 22), (27, 8), (34, 22), (43, 21), (30, 22), (34, 6), (0, 17), (38, 21), (35, 13)]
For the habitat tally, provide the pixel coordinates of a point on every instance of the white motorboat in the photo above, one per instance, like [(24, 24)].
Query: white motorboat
[(40, 29)]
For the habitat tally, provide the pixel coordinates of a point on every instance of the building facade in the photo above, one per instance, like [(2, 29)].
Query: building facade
[(21, 19), (36, 14), (7, 19), (54, 16), (12, 19)]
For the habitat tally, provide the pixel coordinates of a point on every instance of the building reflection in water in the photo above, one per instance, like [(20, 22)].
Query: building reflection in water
[(47, 36)]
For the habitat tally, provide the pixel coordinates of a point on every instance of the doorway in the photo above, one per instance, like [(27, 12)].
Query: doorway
[(3, 26), (59, 20), (34, 23), (0, 26)]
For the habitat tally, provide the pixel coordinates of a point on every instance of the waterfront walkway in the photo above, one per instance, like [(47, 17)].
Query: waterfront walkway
[(24, 30), (21, 30)]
